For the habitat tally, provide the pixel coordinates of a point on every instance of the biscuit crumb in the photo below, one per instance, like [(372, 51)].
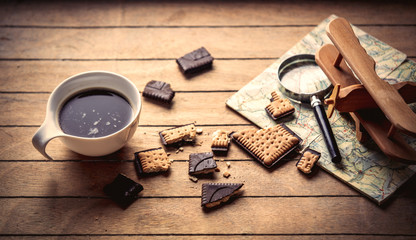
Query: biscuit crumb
[(199, 143), (226, 174), (228, 164), (181, 149), (199, 130), (217, 170), (193, 179)]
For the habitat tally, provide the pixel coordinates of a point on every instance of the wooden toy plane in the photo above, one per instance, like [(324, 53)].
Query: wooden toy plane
[(377, 107)]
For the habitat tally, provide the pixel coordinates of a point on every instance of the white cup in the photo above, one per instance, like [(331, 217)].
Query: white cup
[(98, 146)]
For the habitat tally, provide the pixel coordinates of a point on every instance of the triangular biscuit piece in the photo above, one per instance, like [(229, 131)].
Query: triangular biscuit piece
[(213, 194)]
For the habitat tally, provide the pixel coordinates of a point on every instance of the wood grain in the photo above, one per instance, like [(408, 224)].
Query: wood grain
[(262, 215), (126, 43), (199, 13), (44, 42), (49, 179), (44, 76), (204, 108), (13, 140), (211, 237)]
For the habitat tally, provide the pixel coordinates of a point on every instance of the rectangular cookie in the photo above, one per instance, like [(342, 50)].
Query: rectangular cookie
[(151, 160), (267, 145), (307, 160), (185, 133), (195, 61), (279, 107)]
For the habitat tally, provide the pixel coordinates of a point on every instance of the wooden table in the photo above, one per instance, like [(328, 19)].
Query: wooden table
[(41, 44)]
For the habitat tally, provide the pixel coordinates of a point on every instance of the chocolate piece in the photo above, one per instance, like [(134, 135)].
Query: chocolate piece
[(201, 163), (185, 133), (123, 190), (151, 160), (195, 61), (268, 145), (213, 194), (307, 160), (159, 91)]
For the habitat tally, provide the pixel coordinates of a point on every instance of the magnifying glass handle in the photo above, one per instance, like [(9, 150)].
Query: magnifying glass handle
[(326, 129)]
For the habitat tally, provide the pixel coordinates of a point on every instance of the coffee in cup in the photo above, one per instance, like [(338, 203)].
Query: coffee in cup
[(93, 113)]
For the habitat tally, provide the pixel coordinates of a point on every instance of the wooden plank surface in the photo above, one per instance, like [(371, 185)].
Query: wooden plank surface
[(206, 108), (44, 42), (45, 179), (210, 237), (14, 139), (200, 13), (44, 76), (126, 43), (100, 216)]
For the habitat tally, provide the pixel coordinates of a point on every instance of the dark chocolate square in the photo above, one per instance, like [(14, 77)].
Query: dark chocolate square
[(201, 163), (123, 190), (195, 61)]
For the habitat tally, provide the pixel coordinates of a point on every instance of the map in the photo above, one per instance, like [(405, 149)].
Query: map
[(363, 167)]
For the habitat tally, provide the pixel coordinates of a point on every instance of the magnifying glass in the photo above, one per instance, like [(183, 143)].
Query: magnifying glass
[(302, 80)]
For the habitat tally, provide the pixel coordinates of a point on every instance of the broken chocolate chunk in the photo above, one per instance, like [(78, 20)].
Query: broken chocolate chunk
[(159, 91), (123, 190)]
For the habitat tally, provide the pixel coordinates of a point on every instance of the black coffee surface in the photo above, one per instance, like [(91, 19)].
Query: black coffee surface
[(95, 113)]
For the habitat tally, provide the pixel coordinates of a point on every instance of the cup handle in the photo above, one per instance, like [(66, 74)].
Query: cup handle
[(42, 137)]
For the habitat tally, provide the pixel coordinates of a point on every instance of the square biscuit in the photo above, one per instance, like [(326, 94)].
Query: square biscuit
[(152, 160)]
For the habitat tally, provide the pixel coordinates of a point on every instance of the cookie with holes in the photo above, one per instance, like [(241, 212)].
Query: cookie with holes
[(267, 145), (185, 133), (151, 161), (307, 161), (279, 107)]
